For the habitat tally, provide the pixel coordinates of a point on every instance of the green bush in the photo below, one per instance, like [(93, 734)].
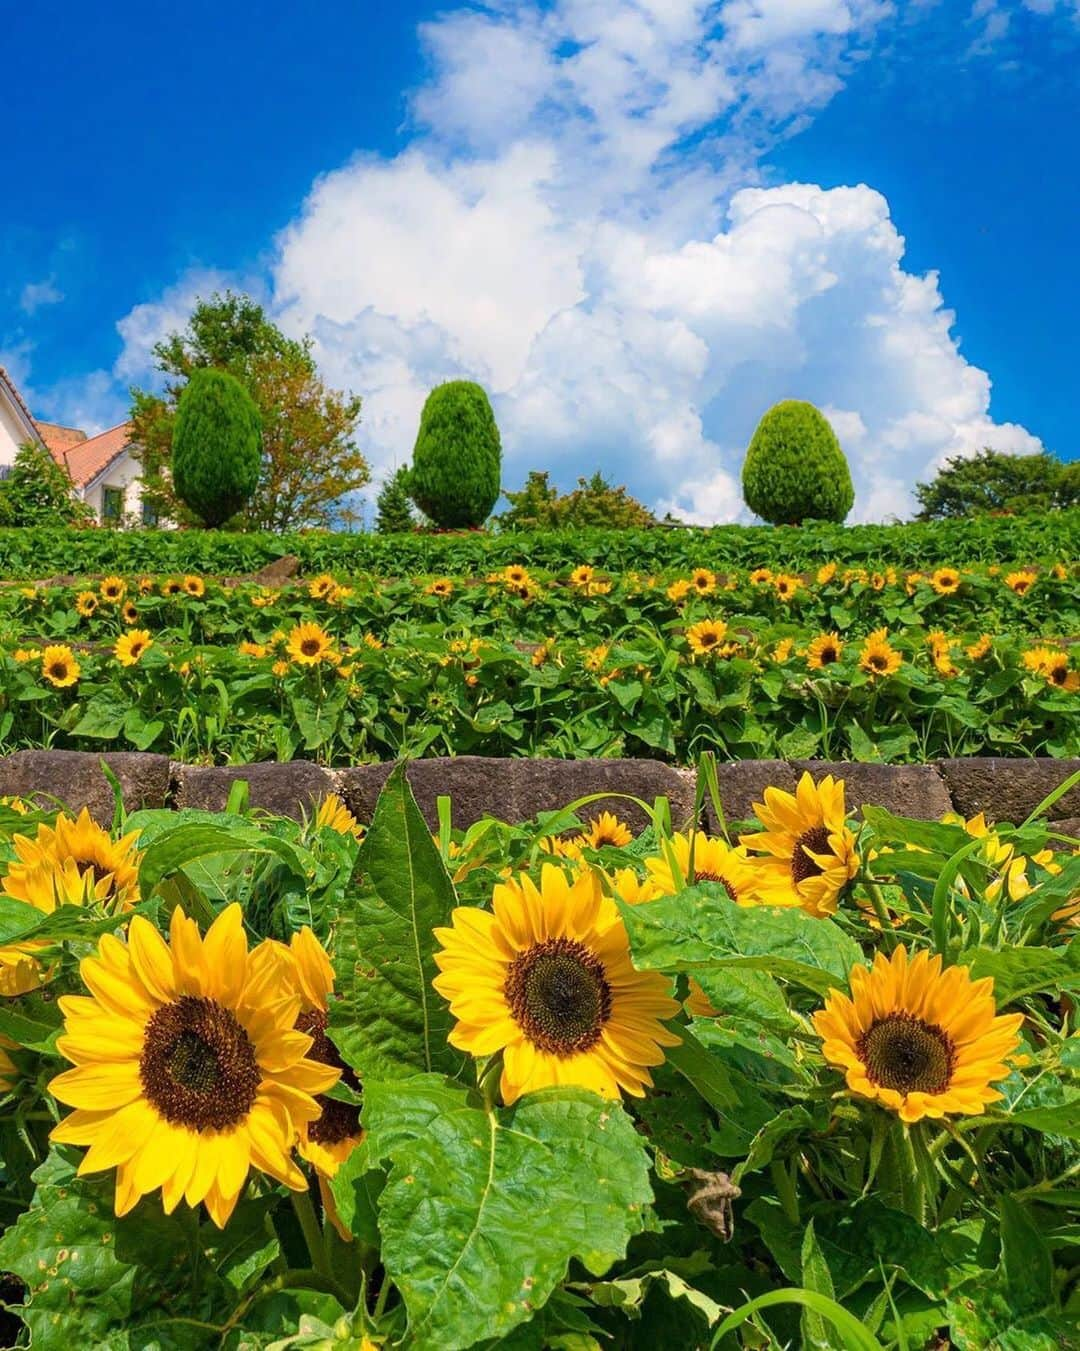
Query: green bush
[(457, 458), (393, 506), (594, 502), (795, 470), (217, 445), (993, 481), (38, 492)]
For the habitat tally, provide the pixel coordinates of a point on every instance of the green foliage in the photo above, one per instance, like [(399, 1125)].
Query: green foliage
[(794, 469), (217, 446), (310, 460), (970, 485), (457, 457), (394, 505), (1027, 540), (593, 503), (38, 492)]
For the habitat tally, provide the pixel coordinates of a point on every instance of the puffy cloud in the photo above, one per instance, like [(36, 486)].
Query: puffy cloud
[(579, 222), (36, 294)]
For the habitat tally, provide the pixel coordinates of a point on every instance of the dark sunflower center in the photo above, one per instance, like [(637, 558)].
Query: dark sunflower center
[(58, 670), (99, 869), (558, 995), (339, 1120), (310, 646), (904, 1053), (1058, 674), (828, 654), (706, 639), (702, 875), (879, 661), (815, 841), (198, 1065)]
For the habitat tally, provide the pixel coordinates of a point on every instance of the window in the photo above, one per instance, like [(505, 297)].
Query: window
[(112, 505), (149, 513)]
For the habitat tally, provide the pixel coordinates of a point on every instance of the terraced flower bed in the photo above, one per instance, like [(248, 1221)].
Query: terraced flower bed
[(837, 663), (598, 1078)]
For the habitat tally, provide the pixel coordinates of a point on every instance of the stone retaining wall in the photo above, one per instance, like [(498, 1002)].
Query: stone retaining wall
[(516, 789)]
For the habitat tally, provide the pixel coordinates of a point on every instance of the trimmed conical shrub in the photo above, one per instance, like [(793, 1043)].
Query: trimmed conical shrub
[(457, 460), (794, 469), (216, 446)]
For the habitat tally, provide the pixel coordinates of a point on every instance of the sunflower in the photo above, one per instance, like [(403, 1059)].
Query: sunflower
[(113, 589), (810, 848), (1056, 671), (824, 650), (172, 586), (146, 585), (678, 590), (826, 573), (1059, 572), (129, 612), (1021, 582), (309, 644), (250, 649), (911, 582), (703, 581), (280, 669), (516, 575), (595, 657), (782, 650), (1036, 659), (441, 587), (329, 1139), (131, 646), (334, 815), (981, 648), (187, 1068), (761, 576), (86, 603), (706, 636), (112, 864), (945, 581), (878, 657), (786, 586), (582, 576), (193, 586), (920, 1040), (607, 829), (264, 598), (547, 979), (714, 860), (59, 667)]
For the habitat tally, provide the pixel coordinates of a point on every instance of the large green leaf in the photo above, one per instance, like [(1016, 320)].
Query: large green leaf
[(173, 849), (701, 928), (484, 1210), (387, 1019), (1022, 971)]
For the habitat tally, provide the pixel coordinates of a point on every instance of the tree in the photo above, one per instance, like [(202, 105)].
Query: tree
[(538, 506), (994, 482), (39, 492), (217, 446), (393, 505), (457, 457), (794, 469), (310, 459)]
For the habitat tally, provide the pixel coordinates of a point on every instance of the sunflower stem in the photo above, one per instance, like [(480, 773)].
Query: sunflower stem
[(881, 910), (313, 1236), (911, 1179)]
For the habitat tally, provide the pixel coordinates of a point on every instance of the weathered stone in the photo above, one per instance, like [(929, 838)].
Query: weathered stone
[(742, 783), (1009, 790), (545, 785), (290, 789), (280, 570), (515, 790), (905, 790), (477, 787), (76, 779), (1071, 826)]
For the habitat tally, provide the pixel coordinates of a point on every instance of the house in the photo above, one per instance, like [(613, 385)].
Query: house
[(103, 469)]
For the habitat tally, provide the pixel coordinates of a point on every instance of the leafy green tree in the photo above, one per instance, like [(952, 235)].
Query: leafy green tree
[(539, 506), (457, 457), (994, 482), (794, 469), (217, 446), (393, 506), (310, 457), (39, 492)]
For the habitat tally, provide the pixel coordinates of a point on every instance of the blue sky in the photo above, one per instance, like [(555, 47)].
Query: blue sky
[(638, 222)]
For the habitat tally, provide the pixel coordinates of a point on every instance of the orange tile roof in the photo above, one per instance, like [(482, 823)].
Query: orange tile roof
[(86, 461), (58, 438)]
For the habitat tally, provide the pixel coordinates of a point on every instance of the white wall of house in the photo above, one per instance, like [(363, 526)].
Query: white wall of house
[(122, 475), (12, 432)]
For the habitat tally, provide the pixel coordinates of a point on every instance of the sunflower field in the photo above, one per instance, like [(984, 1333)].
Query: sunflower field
[(568, 1084), (834, 661)]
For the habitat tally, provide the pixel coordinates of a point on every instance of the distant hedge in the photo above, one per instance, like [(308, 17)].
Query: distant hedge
[(41, 553)]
